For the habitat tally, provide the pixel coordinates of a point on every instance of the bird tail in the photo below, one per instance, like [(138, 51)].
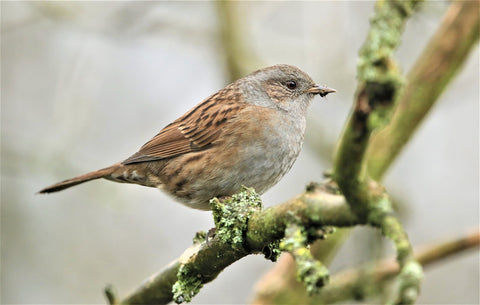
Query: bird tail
[(101, 173)]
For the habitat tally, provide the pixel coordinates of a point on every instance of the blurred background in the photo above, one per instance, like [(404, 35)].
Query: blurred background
[(85, 84)]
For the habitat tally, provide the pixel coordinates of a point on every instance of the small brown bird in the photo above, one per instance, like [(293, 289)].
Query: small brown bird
[(248, 133)]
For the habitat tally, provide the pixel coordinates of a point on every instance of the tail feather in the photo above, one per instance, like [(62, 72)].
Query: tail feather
[(80, 179)]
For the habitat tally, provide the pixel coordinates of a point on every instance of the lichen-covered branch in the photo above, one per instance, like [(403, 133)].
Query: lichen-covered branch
[(411, 274), (439, 62), (379, 86), (311, 272), (319, 206), (360, 283)]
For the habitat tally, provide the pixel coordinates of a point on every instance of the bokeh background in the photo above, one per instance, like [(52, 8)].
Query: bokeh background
[(85, 84)]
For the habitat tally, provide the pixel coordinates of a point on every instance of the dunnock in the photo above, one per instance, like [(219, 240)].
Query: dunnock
[(249, 133)]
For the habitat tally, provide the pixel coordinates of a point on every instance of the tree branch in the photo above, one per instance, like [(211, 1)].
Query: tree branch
[(319, 206), (439, 62), (352, 284), (379, 85)]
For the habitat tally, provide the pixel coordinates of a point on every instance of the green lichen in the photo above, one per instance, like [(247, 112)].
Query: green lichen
[(378, 208), (376, 67), (386, 27), (410, 278), (312, 273), (272, 250), (294, 238), (188, 284), (231, 215), (380, 214), (200, 237)]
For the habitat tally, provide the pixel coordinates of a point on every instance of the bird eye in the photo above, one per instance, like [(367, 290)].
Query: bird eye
[(291, 84)]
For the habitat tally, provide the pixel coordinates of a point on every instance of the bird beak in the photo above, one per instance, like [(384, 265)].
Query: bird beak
[(322, 90)]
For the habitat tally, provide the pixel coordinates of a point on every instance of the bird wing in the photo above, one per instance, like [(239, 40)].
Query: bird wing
[(194, 131)]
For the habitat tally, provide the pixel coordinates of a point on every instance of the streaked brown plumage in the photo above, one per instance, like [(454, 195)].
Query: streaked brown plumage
[(248, 133)]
